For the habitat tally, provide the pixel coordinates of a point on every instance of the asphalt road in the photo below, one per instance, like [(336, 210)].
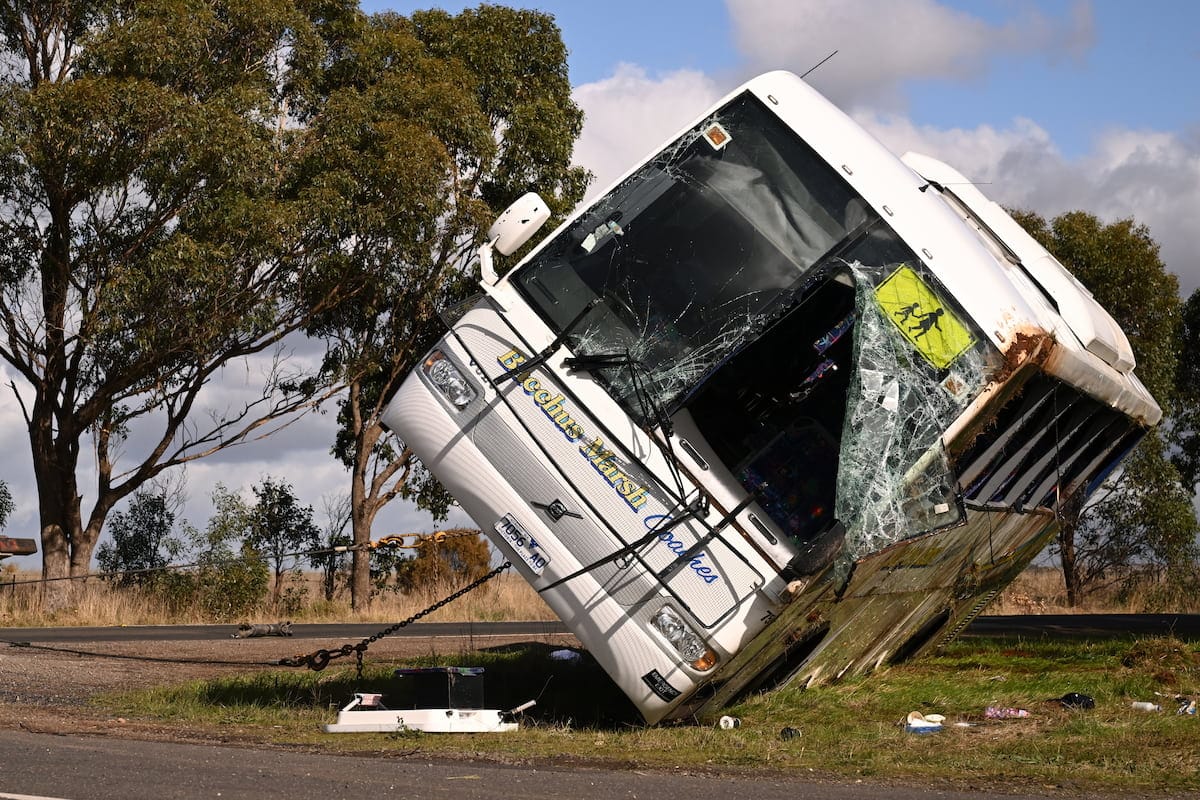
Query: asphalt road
[(1182, 626), (96, 768), (331, 631)]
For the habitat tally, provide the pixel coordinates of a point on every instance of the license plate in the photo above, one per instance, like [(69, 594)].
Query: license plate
[(525, 545)]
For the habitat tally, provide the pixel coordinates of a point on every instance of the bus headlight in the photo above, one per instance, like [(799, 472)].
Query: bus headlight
[(685, 640), (450, 382)]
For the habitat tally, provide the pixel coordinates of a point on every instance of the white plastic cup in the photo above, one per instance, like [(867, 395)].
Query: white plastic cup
[(728, 723)]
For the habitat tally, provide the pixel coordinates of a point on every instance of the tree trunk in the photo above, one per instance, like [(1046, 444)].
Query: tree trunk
[(362, 506), (67, 545), (360, 527), (56, 568), (1070, 566), (330, 578), (58, 510)]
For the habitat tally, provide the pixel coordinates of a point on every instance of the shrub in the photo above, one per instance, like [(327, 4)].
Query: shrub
[(456, 558)]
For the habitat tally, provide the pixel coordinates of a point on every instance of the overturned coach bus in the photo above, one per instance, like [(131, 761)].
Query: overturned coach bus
[(777, 406)]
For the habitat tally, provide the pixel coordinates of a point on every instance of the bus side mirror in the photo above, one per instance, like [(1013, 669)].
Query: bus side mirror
[(518, 223), (513, 228)]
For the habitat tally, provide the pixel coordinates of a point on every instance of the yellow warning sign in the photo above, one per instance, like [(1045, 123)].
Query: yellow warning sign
[(922, 318)]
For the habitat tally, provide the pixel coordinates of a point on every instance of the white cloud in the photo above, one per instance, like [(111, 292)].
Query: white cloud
[(16, 468), (631, 113), (882, 45)]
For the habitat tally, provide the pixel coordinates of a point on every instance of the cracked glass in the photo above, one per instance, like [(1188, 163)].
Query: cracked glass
[(692, 254), (894, 478)]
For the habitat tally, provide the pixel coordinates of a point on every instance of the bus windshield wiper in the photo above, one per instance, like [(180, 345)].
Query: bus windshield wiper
[(593, 361), (551, 348), (652, 410), (653, 413)]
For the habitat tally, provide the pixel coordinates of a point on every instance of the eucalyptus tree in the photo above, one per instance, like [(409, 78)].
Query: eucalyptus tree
[(152, 232), (7, 506), (1187, 392), (281, 528), (1144, 515), (427, 127)]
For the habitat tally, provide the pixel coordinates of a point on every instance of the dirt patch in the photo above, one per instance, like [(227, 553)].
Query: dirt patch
[(50, 688)]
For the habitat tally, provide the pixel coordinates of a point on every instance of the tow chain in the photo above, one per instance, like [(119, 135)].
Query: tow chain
[(319, 659), (419, 540)]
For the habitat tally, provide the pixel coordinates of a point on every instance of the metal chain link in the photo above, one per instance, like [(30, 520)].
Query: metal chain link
[(419, 539), (319, 659)]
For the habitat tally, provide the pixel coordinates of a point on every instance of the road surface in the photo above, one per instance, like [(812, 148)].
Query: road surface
[(98, 768), (1182, 626)]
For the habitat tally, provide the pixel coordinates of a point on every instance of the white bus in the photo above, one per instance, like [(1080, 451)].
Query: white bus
[(777, 406)]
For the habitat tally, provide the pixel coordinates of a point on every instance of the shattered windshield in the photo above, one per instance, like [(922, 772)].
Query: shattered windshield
[(737, 285), (692, 254)]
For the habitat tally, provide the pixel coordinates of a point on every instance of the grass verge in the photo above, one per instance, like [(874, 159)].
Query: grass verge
[(851, 729)]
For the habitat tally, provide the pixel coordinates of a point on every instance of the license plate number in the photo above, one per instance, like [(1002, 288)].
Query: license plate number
[(525, 545)]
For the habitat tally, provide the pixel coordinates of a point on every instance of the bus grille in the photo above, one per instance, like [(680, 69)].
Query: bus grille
[(1049, 442)]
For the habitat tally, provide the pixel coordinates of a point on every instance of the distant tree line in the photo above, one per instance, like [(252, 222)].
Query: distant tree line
[(251, 556)]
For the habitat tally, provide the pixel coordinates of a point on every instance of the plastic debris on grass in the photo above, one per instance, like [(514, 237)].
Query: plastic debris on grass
[(923, 723), (995, 712)]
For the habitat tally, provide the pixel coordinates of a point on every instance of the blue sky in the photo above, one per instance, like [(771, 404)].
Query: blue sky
[(1055, 104), (1140, 69), (1139, 72)]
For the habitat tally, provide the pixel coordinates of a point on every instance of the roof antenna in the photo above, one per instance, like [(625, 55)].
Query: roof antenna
[(819, 63)]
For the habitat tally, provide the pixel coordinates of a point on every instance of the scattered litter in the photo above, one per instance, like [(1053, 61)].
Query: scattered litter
[(1075, 700), (919, 723), (1183, 703), (994, 712), (1142, 705), (729, 723), (565, 655), (789, 733)]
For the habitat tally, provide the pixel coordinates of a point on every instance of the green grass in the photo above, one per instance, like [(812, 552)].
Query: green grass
[(849, 729)]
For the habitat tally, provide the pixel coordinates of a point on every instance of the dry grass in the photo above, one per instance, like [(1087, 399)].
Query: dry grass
[(507, 597), (1037, 590), (1040, 590)]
